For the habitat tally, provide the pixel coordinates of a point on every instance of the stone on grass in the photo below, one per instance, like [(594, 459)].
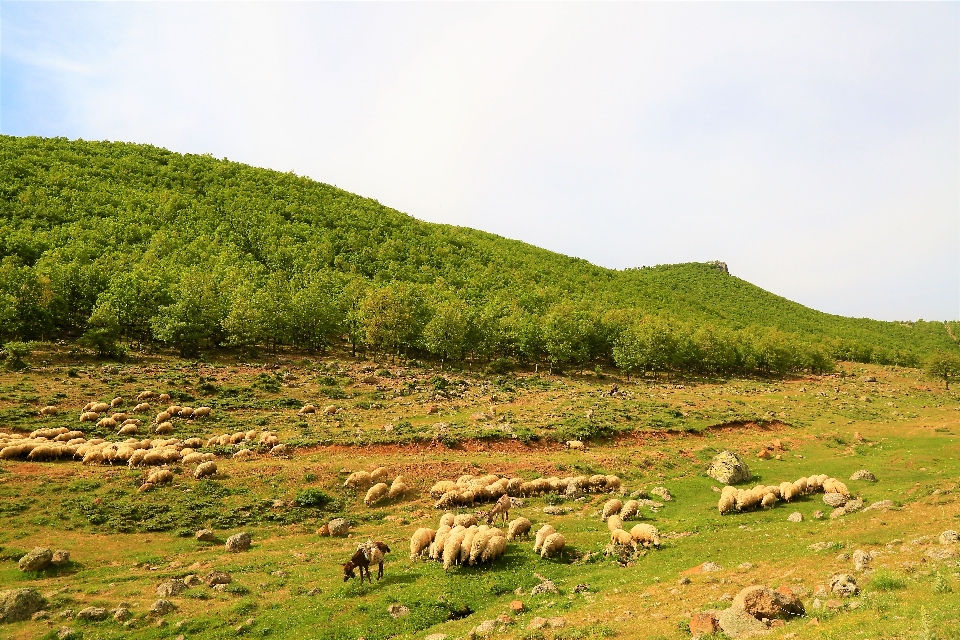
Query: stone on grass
[(536, 624), (516, 606), (192, 581), (60, 558), (93, 613), (484, 629), (737, 623), (436, 636), (729, 468), (704, 623), (763, 602), (217, 577), (796, 516), (20, 604), (398, 611), (949, 537), (853, 505), (162, 607), (882, 504), (861, 560), (37, 559), (171, 588), (818, 515), (545, 586), (67, 633), (338, 527), (206, 535), (708, 567), (238, 542), (844, 584), (834, 499), (940, 553), (863, 474), (662, 492), (122, 614)]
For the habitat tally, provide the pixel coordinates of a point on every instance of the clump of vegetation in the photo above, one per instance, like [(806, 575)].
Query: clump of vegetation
[(884, 580)]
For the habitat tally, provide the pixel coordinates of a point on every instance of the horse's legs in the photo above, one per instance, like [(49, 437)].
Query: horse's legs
[(380, 571)]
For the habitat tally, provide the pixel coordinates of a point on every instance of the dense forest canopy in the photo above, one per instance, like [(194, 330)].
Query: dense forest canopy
[(119, 244)]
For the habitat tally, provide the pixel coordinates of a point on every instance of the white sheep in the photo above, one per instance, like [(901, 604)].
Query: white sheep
[(89, 416), (611, 507), (126, 430), (553, 545), (467, 544), (494, 549), (201, 412), (164, 428), (164, 397), (307, 409), (622, 538), (161, 417), (205, 469), (143, 407), (420, 540), (359, 480), (517, 528), (145, 395), (576, 445), (441, 488), (646, 534), (376, 493), (398, 488), (479, 543), (100, 407), (542, 533), (379, 474), (436, 548), (614, 522), (116, 402), (451, 546), (727, 503), (465, 519), (448, 520), (768, 501), (49, 410), (159, 476)]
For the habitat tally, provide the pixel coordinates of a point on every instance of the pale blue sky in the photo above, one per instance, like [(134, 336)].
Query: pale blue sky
[(814, 147)]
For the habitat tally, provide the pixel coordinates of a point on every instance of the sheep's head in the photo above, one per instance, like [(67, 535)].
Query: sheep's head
[(348, 571)]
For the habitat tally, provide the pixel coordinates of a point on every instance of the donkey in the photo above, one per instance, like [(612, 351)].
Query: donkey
[(501, 508), (367, 553)]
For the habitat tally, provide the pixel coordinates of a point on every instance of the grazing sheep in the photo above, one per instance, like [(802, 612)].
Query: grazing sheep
[(307, 409), (193, 443), (494, 549), (479, 543), (576, 445), (441, 488), (107, 423), (376, 493), (359, 480), (243, 454), (120, 417), (164, 397), (787, 491), (768, 501), (205, 469), (832, 485), (397, 489), (89, 416), (420, 540), (143, 407), (622, 538), (542, 534), (68, 436), (450, 499), (451, 546), (174, 410), (330, 410), (630, 509), (448, 520), (163, 416), (646, 534), (127, 429), (553, 545), (597, 482), (186, 412), (613, 483), (201, 412), (164, 428), (611, 507), (801, 486), (159, 476), (100, 407), (116, 402), (145, 395), (379, 474), (466, 544), (513, 486), (727, 503), (519, 527), (436, 547), (465, 520), (49, 410), (614, 522)]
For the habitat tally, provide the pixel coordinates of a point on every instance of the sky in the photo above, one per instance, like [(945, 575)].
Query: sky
[(813, 147)]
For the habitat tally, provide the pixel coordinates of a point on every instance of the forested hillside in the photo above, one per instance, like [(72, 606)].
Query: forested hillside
[(118, 244)]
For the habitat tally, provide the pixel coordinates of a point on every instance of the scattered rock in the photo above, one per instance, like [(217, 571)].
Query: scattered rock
[(838, 512), (844, 584), (853, 505), (545, 586), (764, 454), (745, 566), (861, 560), (796, 516), (869, 379), (436, 636), (217, 577), (338, 527), (537, 623), (553, 510), (192, 581), (707, 567), (37, 559), (314, 592), (171, 588), (683, 580), (763, 602), (949, 537), (940, 553), (122, 614), (833, 604), (280, 574), (20, 604), (737, 623), (43, 614), (516, 606), (60, 558), (727, 467), (238, 542), (882, 504), (583, 587), (162, 607), (556, 622), (818, 515), (704, 623), (863, 474), (834, 499), (398, 611), (66, 633), (663, 493), (206, 535), (93, 613), (484, 629)]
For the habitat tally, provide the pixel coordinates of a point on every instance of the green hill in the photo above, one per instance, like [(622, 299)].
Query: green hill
[(125, 243)]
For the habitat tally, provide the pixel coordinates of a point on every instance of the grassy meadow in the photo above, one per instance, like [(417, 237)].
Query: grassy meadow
[(430, 425)]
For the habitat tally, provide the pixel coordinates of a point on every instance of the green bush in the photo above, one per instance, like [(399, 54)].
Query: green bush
[(887, 581), (313, 498), (14, 354)]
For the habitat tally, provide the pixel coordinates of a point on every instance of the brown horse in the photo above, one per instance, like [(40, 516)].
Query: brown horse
[(366, 554)]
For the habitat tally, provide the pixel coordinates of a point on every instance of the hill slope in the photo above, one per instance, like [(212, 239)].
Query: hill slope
[(135, 229)]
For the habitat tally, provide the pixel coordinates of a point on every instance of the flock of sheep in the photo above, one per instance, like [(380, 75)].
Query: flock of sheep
[(374, 483), (468, 489), (460, 540), (616, 512), (733, 499)]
